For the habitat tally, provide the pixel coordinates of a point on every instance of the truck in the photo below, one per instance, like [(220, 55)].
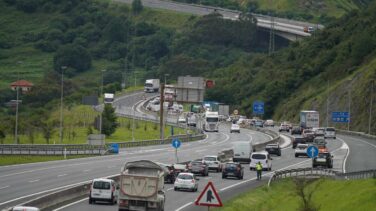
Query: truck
[(108, 98), (141, 186), (309, 119), (211, 121), (191, 119), (152, 85)]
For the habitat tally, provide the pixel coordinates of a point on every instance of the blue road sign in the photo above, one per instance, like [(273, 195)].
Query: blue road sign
[(340, 116), (258, 107), (312, 151), (114, 148), (176, 143)]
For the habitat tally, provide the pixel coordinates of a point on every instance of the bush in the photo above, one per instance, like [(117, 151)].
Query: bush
[(72, 56), (28, 6)]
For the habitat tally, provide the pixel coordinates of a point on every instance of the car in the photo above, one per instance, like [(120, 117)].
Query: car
[(180, 168), (273, 149), (301, 150), (213, 162), (330, 132), (198, 167), (298, 140), (284, 127), (259, 123), (318, 141), (323, 159), (24, 208), (309, 29), (182, 119), (233, 169), (319, 132), (296, 130), (186, 181), (308, 134), (235, 128), (289, 125), (171, 175), (103, 190), (263, 157), (269, 123)]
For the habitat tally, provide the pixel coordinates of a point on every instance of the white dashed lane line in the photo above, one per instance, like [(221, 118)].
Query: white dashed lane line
[(32, 181), (4, 187), (61, 175)]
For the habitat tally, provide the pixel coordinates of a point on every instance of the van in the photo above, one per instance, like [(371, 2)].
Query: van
[(103, 190), (242, 151), (330, 132), (262, 157)]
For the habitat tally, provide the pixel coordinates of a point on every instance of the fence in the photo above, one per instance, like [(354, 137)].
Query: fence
[(319, 173), (48, 149)]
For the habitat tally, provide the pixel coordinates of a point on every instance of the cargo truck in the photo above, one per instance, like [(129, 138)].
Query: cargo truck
[(309, 119), (141, 186), (108, 98), (152, 85), (211, 121)]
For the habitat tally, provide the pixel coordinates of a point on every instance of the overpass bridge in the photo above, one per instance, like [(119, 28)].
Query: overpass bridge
[(289, 29)]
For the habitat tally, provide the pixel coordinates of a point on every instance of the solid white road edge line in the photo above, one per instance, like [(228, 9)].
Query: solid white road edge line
[(184, 206), (344, 146), (4, 187), (68, 205), (37, 180)]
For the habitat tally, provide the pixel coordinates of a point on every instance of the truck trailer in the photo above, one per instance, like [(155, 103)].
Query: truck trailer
[(309, 119), (152, 85), (141, 186)]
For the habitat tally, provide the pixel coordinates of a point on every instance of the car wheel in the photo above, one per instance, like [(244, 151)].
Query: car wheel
[(250, 169), (90, 200), (296, 155), (223, 176), (334, 137), (112, 200), (175, 189)]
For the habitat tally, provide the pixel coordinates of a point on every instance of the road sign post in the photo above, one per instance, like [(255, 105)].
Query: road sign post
[(312, 152), (176, 143)]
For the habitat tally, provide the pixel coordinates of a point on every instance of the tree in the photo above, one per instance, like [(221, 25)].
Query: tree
[(75, 57), (109, 118), (2, 136), (137, 7), (48, 130)]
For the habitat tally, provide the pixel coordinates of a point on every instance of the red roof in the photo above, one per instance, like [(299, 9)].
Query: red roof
[(21, 83)]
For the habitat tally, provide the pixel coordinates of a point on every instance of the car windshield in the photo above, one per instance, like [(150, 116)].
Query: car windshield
[(258, 156), (322, 155), (210, 159), (101, 185), (185, 176), (330, 129), (211, 119)]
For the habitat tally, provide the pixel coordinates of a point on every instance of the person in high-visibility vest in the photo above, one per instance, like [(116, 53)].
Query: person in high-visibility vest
[(259, 170)]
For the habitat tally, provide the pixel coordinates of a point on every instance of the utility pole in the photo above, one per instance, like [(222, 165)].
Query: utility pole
[(327, 106), (61, 103), (272, 33), (100, 119), (133, 109), (161, 112), (17, 99), (370, 109), (350, 117)]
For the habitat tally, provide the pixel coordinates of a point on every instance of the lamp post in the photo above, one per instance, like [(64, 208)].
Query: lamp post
[(349, 106), (61, 103), (370, 109), (135, 84), (100, 119), (17, 96)]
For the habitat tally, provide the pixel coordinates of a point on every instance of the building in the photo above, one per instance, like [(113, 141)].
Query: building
[(23, 84)]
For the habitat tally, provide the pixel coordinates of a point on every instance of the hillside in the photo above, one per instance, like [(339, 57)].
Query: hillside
[(303, 75)]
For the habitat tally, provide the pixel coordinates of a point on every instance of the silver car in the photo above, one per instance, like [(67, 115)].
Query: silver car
[(186, 181)]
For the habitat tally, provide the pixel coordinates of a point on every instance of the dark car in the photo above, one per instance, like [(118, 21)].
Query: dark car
[(232, 169), (199, 167), (170, 176), (273, 149), (298, 140), (296, 130), (323, 159)]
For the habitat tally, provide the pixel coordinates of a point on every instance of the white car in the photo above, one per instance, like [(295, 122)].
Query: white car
[(213, 162), (182, 119), (284, 127), (330, 132), (235, 128), (262, 157), (301, 149), (269, 123), (103, 190), (186, 181), (23, 208)]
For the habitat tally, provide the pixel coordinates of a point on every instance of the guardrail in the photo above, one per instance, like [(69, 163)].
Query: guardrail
[(49, 149), (354, 133), (319, 173)]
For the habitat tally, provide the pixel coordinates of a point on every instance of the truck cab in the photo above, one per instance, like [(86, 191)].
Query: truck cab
[(211, 121)]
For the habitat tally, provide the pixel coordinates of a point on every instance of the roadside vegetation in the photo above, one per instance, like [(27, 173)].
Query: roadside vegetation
[(23, 159), (323, 194)]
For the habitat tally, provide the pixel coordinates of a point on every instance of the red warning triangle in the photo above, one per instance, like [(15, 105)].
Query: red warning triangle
[(209, 197)]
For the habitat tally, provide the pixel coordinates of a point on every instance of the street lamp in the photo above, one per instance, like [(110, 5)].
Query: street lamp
[(100, 120), (61, 103), (370, 109), (135, 84), (349, 106), (17, 91)]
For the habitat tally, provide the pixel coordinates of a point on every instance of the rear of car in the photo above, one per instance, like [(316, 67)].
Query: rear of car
[(309, 135), (269, 123), (213, 163), (273, 149), (235, 128), (103, 190), (301, 150), (330, 132), (232, 169), (296, 130), (284, 127), (298, 140), (262, 157), (198, 167), (186, 181), (24, 208), (324, 159)]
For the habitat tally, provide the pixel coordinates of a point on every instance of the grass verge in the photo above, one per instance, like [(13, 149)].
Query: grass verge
[(327, 195)]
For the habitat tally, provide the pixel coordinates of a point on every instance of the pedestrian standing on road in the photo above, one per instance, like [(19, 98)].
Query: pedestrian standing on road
[(259, 170)]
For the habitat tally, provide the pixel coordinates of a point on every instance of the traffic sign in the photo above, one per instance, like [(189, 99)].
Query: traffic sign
[(176, 143), (340, 116), (312, 151), (236, 112), (258, 107), (209, 197)]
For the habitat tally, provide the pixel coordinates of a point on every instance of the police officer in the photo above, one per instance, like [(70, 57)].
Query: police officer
[(259, 170)]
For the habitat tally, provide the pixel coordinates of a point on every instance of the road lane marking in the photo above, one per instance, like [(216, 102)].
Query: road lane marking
[(170, 189), (4, 187), (68, 205), (61, 175), (86, 170), (250, 137), (184, 206), (344, 146), (32, 181), (201, 150)]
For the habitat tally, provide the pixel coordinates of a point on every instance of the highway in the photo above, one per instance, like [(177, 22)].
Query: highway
[(20, 181), (280, 24)]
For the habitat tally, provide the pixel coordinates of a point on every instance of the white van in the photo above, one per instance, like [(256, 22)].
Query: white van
[(330, 132), (262, 157), (103, 190), (242, 151)]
